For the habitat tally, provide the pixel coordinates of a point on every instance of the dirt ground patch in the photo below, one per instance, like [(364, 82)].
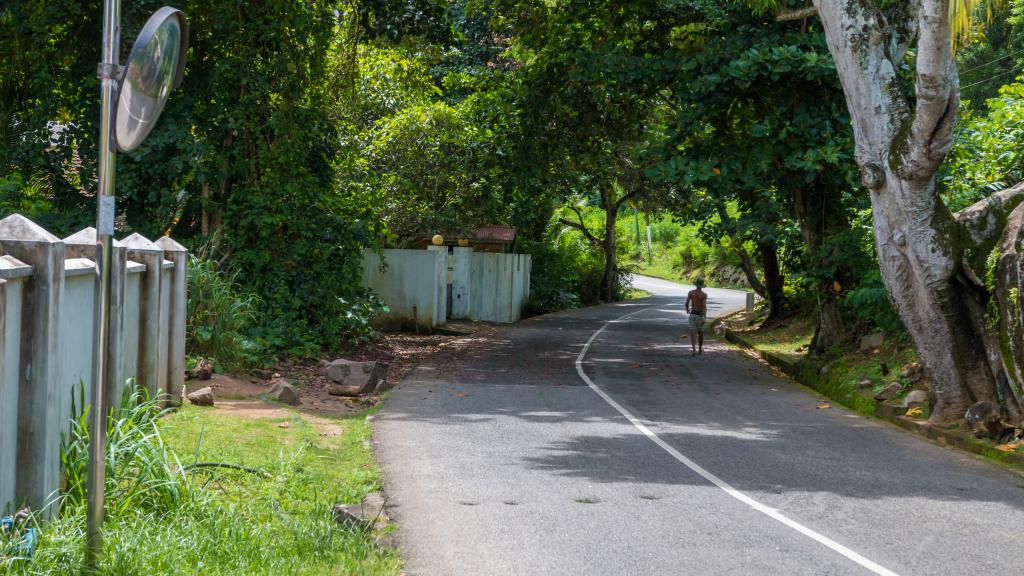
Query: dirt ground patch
[(243, 395)]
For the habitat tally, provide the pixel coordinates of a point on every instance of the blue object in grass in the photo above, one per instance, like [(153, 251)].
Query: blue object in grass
[(27, 545)]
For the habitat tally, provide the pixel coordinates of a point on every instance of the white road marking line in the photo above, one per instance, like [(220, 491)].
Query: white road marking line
[(725, 486)]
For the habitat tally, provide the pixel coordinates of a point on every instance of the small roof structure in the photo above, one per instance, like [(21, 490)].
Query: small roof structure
[(489, 238)]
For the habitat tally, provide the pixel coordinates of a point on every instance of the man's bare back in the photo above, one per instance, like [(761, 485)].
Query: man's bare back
[(697, 307), (698, 300)]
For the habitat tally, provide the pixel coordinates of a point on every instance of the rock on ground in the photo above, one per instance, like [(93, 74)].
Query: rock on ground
[(912, 372), (284, 392), (986, 420), (363, 516), (201, 397), (871, 341), (915, 399), (889, 392), (202, 371), (355, 378)]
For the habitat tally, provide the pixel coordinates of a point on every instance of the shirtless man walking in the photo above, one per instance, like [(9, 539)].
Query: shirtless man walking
[(697, 308)]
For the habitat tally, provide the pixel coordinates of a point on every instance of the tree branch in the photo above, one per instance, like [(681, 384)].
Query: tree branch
[(937, 94), (746, 262), (795, 14), (581, 227), (625, 198), (980, 226), (867, 48)]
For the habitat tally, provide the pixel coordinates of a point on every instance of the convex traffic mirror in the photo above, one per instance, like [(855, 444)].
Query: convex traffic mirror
[(154, 68)]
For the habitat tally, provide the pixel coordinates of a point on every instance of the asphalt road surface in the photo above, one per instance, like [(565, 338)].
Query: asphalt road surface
[(591, 442)]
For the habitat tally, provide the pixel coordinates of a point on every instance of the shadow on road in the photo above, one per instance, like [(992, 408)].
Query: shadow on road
[(722, 409)]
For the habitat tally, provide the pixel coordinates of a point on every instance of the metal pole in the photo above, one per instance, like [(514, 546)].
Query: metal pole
[(108, 72), (650, 253), (636, 216)]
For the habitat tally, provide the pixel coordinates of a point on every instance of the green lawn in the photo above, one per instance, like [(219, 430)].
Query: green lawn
[(231, 522)]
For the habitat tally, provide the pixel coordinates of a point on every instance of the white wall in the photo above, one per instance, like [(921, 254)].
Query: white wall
[(77, 335), (47, 344), (12, 279), (411, 285), (500, 286), (130, 350), (485, 286)]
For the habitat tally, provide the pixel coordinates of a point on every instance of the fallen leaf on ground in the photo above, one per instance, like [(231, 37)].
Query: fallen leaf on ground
[(824, 406), (634, 365), (915, 412), (1008, 447), (284, 425), (460, 394)]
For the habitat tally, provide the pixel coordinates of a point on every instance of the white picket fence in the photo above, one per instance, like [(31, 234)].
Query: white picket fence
[(414, 285), (47, 307)]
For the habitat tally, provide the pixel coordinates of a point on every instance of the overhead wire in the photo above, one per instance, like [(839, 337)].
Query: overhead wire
[(1004, 73), (1001, 58)]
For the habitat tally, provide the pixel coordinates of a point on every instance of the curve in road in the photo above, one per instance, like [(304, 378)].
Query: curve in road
[(501, 460)]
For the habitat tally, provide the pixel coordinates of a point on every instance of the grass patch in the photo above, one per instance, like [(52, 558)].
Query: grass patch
[(223, 521), (788, 338), (636, 294), (838, 373), (659, 268)]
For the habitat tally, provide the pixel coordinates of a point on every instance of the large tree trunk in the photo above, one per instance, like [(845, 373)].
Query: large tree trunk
[(610, 261), (920, 243), (774, 281), (820, 217), (746, 262)]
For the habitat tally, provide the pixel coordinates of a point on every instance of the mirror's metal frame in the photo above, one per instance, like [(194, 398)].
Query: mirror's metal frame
[(110, 75)]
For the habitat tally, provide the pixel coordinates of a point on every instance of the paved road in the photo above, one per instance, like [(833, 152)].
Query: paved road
[(505, 461)]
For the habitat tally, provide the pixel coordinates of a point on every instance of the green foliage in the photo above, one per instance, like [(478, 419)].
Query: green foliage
[(33, 198), (166, 517), (220, 315), (357, 315), (424, 168), (870, 306), (986, 156), (141, 473)]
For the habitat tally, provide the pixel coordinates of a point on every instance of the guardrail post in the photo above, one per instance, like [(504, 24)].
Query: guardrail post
[(13, 274), (82, 244), (39, 378), (177, 254), (144, 252)]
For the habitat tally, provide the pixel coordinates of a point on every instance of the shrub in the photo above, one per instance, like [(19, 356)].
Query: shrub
[(869, 304), (219, 314), (357, 315), (141, 473)]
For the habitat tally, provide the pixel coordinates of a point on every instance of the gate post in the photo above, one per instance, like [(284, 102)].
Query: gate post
[(148, 254), (461, 286), (39, 377)]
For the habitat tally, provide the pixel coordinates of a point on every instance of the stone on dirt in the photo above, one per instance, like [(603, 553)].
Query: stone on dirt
[(865, 384), (363, 516), (201, 397), (871, 341), (355, 378), (262, 374), (912, 372), (202, 371), (889, 392), (986, 420), (916, 399), (284, 392)]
